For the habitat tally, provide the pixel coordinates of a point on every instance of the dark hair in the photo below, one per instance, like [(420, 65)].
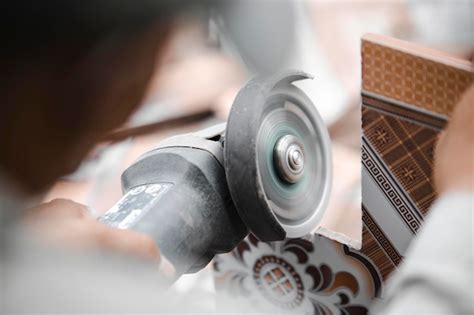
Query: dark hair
[(72, 70), (26, 25)]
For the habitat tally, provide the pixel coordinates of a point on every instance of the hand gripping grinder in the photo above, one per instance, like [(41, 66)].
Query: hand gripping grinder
[(267, 171)]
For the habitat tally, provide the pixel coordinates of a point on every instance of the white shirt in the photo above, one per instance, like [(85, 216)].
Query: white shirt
[(436, 276)]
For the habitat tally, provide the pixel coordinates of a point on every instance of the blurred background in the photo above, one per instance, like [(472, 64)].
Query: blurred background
[(214, 52)]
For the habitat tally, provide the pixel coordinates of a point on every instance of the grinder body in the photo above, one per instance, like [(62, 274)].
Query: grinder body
[(267, 171)]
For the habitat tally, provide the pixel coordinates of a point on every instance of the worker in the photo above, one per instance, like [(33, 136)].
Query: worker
[(72, 71), (62, 93)]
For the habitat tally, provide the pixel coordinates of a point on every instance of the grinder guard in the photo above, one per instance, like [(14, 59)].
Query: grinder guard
[(264, 112)]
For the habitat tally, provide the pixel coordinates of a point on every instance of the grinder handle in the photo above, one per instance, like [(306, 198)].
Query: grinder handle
[(179, 197)]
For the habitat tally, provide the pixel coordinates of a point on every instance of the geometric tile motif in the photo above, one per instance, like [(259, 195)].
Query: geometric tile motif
[(412, 79), (396, 84), (406, 148)]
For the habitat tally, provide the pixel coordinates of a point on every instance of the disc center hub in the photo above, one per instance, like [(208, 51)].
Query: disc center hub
[(288, 156)]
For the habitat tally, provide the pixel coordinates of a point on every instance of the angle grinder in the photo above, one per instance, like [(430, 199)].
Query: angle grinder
[(266, 171)]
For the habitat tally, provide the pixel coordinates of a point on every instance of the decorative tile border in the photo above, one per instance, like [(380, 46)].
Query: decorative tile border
[(406, 211), (381, 237)]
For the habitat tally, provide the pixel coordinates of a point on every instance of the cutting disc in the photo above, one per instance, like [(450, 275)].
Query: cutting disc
[(277, 158)]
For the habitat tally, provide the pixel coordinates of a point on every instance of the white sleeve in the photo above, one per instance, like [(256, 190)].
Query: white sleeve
[(436, 276)]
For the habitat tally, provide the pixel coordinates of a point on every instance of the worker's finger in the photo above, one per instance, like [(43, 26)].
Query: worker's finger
[(85, 234), (58, 209), (70, 224), (126, 241), (132, 243)]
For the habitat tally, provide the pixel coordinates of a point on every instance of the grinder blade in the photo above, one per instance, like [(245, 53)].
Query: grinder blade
[(277, 158)]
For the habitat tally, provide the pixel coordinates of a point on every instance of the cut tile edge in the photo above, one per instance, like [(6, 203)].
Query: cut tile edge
[(339, 237)]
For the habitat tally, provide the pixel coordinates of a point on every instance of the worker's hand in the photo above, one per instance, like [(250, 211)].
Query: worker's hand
[(67, 223), (454, 155)]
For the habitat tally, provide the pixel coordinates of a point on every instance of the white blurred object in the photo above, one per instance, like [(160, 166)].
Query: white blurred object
[(324, 90), (443, 23)]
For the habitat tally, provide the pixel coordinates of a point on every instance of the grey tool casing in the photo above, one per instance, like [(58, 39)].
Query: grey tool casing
[(195, 219)]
